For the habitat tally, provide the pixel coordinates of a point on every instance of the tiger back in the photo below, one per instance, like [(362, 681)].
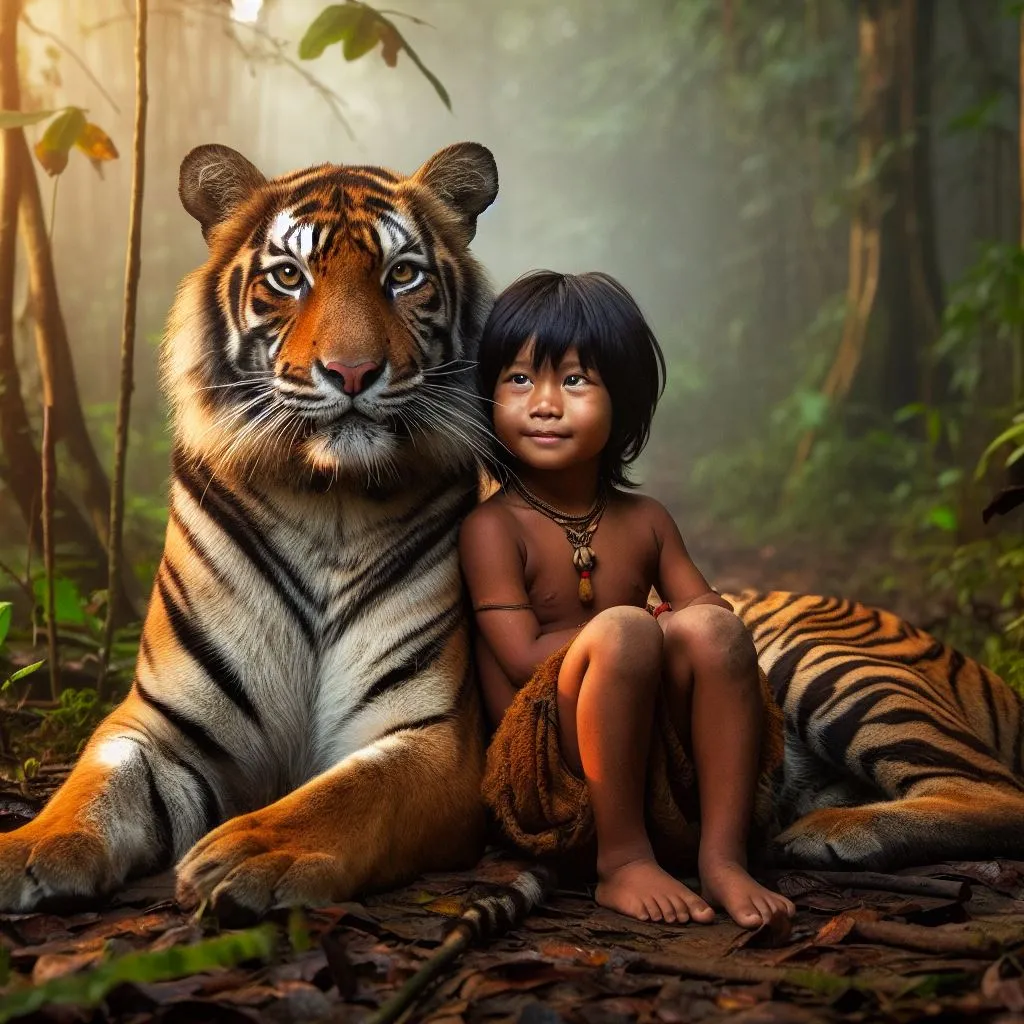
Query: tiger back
[(303, 723), (898, 749)]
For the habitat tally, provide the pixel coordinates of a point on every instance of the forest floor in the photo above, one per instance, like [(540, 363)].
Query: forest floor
[(942, 942)]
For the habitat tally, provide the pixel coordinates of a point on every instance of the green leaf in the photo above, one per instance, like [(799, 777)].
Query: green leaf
[(943, 517), (5, 619), (60, 135), (332, 25), (68, 603), (27, 671), (358, 27), (89, 988), (364, 36), (1014, 433), (20, 119)]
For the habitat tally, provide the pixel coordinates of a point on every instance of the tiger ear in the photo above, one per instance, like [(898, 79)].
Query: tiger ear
[(213, 180), (465, 177)]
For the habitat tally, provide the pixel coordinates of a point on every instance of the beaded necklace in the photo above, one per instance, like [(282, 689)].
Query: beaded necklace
[(579, 531)]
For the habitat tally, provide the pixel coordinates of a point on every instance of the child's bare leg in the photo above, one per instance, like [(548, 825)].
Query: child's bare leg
[(606, 691), (714, 691)]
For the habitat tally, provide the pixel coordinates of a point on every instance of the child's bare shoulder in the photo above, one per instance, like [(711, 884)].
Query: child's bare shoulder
[(491, 521), (643, 509)]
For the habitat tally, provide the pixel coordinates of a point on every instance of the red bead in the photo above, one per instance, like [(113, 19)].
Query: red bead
[(585, 574)]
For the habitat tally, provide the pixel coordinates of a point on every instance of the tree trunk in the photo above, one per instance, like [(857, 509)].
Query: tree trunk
[(15, 429), (911, 285), (876, 35)]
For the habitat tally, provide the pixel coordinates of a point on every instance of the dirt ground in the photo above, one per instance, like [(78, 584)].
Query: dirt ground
[(946, 948)]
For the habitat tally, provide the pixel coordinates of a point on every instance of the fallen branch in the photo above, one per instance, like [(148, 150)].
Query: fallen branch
[(486, 918), (911, 885), (821, 982), (964, 942)]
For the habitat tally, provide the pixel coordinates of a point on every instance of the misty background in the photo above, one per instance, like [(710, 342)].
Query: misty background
[(706, 153)]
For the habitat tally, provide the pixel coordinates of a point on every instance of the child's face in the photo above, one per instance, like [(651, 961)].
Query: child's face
[(553, 417)]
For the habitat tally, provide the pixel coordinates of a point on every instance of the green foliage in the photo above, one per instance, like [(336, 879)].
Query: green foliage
[(360, 28), (5, 625), (90, 987), (982, 340)]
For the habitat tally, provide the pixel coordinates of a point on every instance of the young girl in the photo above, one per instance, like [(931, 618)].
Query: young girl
[(559, 565)]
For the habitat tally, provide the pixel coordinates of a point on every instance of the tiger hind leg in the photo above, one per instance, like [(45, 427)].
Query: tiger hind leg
[(964, 821)]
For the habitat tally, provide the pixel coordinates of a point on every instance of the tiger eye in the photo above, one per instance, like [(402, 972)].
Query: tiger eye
[(287, 275), (402, 273)]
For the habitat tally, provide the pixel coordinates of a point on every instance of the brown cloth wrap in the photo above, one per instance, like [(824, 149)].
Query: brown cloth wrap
[(542, 807)]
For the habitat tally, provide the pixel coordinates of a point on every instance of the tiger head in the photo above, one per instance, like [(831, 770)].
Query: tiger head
[(330, 333)]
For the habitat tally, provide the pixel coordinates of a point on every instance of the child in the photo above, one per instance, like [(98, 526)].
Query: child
[(559, 564)]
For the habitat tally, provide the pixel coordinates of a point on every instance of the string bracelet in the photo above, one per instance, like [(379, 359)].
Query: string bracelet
[(502, 607), (663, 607)]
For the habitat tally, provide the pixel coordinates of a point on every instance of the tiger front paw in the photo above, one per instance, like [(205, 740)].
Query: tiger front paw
[(52, 868), (833, 837), (247, 867)]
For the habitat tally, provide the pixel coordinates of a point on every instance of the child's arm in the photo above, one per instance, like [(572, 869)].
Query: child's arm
[(493, 568), (679, 580)]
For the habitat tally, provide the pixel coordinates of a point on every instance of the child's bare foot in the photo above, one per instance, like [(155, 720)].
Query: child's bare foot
[(728, 885), (640, 888)]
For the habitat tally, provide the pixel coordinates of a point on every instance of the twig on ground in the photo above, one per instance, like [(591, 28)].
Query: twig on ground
[(912, 885)]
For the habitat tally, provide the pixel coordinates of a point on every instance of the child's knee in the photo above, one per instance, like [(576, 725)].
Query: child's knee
[(712, 637), (629, 634), (625, 637)]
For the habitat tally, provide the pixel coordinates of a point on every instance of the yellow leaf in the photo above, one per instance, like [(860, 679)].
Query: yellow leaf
[(96, 144)]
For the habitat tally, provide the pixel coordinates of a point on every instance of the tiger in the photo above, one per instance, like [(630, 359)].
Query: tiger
[(898, 749), (302, 723)]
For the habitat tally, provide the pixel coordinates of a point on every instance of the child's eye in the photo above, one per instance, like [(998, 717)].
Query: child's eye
[(574, 380), (519, 378)]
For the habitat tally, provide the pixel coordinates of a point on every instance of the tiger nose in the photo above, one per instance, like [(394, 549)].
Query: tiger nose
[(353, 379)]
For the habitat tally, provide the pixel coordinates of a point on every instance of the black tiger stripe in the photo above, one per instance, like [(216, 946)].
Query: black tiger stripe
[(361, 592), (420, 724), (420, 649), (211, 808), (911, 781), (226, 511), (162, 818), (993, 714), (199, 552), (839, 734), (205, 652), (376, 171), (166, 565), (920, 752), (192, 730), (762, 620), (235, 293)]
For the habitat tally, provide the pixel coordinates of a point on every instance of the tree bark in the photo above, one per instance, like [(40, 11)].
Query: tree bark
[(15, 429), (911, 285), (877, 23)]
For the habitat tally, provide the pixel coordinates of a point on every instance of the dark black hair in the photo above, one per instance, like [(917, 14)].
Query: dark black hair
[(594, 313)]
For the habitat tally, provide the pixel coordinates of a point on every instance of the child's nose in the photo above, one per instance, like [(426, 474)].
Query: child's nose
[(547, 402)]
